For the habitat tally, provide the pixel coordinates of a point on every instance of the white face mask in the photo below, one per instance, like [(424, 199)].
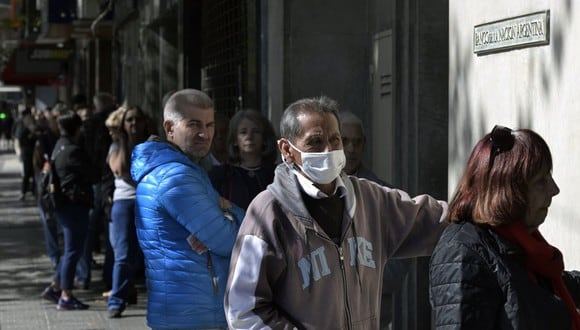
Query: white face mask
[(322, 167)]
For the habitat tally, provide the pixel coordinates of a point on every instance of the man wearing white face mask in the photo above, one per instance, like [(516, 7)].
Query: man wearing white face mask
[(311, 250)]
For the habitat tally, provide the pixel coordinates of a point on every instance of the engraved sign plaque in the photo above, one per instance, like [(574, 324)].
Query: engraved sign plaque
[(516, 32)]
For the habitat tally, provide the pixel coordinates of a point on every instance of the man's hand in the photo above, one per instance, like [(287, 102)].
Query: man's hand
[(196, 245), (225, 204)]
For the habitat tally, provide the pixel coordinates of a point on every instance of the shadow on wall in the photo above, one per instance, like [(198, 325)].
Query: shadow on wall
[(546, 69), (558, 27), (460, 111), (466, 125)]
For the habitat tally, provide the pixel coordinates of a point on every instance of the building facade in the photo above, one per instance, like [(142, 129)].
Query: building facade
[(409, 68), (525, 87), (385, 60)]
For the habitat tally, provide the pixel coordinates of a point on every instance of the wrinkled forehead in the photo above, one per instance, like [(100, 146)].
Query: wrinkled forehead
[(310, 119), (197, 113)]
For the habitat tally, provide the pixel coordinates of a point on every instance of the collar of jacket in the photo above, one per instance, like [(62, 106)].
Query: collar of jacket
[(286, 189), (504, 246)]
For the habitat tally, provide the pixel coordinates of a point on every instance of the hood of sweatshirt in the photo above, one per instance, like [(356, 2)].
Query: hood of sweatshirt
[(287, 191)]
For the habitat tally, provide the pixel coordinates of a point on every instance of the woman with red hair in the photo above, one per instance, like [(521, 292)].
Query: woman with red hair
[(492, 269)]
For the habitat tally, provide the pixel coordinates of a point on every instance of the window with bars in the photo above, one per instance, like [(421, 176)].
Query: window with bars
[(225, 56)]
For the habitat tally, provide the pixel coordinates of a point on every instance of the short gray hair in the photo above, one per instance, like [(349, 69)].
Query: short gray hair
[(185, 98), (347, 117), (290, 126)]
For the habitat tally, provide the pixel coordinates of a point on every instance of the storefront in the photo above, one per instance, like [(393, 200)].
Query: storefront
[(41, 69)]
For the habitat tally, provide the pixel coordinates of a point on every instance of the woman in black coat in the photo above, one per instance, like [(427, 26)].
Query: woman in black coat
[(72, 167), (492, 269), (252, 152)]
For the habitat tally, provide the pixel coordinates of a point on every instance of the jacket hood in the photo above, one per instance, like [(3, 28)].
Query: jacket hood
[(286, 189), (149, 155)]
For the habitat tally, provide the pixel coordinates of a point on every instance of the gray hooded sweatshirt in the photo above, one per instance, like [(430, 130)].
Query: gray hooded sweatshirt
[(286, 273)]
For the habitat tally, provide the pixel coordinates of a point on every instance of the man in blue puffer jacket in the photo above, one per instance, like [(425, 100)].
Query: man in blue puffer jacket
[(186, 230)]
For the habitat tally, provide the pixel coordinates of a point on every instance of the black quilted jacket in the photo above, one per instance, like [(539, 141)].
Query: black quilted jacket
[(74, 171), (478, 281)]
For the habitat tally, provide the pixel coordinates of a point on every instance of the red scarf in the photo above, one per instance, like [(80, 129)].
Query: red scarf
[(542, 259)]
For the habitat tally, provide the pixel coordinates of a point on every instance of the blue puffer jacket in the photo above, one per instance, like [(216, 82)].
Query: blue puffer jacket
[(175, 198)]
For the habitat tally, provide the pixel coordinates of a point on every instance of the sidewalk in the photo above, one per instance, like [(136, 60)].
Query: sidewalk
[(25, 270)]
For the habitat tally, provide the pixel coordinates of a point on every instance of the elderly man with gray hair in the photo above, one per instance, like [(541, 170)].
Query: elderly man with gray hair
[(311, 250), (354, 143)]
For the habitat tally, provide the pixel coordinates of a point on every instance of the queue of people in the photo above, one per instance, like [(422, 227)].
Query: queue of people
[(99, 193), (314, 241)]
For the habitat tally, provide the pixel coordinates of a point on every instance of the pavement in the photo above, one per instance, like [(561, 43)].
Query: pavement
[(25, 270)]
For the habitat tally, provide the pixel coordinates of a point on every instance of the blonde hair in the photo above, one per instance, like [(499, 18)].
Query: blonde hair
[(115, 119)]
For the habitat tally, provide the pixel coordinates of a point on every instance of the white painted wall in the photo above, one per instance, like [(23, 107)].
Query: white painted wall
[(536, 87)]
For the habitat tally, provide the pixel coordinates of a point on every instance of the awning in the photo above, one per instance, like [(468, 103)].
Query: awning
[(38, 64)]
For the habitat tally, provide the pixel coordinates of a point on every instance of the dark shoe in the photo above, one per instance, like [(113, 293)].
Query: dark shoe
[(70, 304), (51, 294), (115, 313)]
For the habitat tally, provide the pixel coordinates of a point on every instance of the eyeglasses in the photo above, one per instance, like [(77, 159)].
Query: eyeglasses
[(502, 139)]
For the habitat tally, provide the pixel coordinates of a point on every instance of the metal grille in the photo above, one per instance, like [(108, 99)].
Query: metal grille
[(224, 53)]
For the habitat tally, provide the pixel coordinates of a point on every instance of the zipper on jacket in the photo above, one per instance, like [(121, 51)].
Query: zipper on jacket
[(212, 273), (344, 286), (343, 273)]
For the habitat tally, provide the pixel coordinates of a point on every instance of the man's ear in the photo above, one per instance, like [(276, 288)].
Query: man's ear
[(168, 128), (285, 148)]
